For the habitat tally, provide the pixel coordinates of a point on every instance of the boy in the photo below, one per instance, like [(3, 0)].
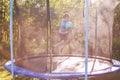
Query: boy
[(65, 25)]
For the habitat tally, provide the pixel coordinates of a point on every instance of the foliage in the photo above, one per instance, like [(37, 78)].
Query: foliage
[(116, 49), (116, 27), (4, 19), (4, 50), (4, 10), (116, 34), (4, 28)]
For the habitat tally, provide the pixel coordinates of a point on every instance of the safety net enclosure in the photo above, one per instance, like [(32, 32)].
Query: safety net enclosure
[(51, 39)]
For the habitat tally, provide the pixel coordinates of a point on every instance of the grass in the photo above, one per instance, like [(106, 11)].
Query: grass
[(4, 74)]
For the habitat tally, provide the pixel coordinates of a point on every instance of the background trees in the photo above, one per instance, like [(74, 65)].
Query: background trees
[(4, 28)]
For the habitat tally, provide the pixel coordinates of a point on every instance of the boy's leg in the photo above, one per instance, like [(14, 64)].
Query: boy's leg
[(59, 43)]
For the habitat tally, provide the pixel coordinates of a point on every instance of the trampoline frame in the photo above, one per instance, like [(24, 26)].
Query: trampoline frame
[(61, 75)]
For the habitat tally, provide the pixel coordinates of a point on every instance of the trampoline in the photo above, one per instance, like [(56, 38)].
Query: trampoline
[(102, 67), (45, 49)]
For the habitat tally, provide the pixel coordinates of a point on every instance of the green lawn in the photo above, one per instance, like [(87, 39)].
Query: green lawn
[(4, 74)]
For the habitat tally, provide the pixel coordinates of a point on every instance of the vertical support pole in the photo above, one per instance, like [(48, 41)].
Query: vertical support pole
[(96, 40), (49, 33), (11, 38), (86, 39)]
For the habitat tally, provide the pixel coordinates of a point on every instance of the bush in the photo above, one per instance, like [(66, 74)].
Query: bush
[(116, 49)]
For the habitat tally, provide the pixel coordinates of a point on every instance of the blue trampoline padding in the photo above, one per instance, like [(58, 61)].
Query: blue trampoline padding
[(61, 75)]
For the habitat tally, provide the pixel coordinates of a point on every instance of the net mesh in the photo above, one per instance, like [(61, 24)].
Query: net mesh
[(58, 46)]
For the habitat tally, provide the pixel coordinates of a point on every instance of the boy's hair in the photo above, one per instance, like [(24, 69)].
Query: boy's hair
[(65, 15)]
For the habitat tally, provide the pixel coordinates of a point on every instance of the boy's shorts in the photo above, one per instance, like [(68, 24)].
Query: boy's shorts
[(63, 36)]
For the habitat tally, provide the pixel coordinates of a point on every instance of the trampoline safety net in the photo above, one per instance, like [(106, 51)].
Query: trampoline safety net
[(52, 38)]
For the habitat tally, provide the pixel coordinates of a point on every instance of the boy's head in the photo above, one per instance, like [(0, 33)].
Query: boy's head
[(66, 17)]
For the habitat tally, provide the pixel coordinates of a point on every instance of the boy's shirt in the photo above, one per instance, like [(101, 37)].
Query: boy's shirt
[(63, 30)]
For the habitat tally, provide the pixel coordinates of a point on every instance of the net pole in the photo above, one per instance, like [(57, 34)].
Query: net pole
[(110, 43), (96, 39), (86, 39), (11, 38), (49, 33)]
